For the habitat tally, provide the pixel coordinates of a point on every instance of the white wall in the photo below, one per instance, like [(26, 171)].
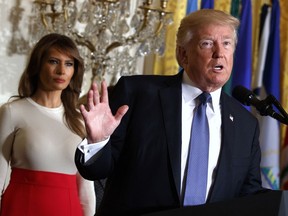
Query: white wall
[(11, 64)]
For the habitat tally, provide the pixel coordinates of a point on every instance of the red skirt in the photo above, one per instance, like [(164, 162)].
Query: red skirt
[(38, 193)]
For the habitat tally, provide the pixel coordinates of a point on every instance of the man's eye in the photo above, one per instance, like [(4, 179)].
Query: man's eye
[(227, 43), (206, 44)]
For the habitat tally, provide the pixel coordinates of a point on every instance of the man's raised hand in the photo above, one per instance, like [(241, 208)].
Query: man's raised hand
[(98, 118)]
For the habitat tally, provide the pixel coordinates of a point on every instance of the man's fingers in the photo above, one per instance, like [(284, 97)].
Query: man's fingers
[(96, 97), (93, 96), (90, 102), (83, 110), (104, 92), (121, 112)]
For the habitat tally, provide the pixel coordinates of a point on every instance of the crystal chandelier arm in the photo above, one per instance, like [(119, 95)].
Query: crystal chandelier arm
[(44, 21), (109, 1), (145, 19), (84, 42), (112, 46), (148, 2), (164, 4), (44, 2), (162, 13), (161, 24)]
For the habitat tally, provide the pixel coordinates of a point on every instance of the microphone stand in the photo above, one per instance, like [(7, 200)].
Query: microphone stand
[(266, 109)]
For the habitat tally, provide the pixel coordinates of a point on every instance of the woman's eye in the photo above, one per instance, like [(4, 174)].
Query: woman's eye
[(69, 64), (53, 61)]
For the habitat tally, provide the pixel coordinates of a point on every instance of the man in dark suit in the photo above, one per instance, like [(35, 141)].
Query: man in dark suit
[(143, 149)]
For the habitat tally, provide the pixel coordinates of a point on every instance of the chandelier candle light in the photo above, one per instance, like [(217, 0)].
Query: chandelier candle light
[(111, 34)]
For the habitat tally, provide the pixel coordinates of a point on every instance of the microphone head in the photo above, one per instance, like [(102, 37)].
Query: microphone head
[(243, 95)]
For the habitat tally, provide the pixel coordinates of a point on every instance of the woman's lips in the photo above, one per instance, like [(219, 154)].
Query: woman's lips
[(59, 80)]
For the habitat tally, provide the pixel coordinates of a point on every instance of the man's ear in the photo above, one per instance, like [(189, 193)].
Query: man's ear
[(181, 56)]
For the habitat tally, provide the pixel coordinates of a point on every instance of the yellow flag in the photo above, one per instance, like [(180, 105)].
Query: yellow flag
[(224, 5), (284, 56), (167, 64)]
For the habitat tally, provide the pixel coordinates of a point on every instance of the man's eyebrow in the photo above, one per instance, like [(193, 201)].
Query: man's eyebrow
[(206, 37)]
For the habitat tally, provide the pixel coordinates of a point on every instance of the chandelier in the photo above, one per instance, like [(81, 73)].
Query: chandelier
[(110, 34)]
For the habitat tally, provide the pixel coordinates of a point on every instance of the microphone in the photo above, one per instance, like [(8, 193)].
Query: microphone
[(264, 107), (247, 97)]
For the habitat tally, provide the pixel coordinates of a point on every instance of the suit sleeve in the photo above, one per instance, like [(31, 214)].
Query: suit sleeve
[(97, 167), (253, 182)]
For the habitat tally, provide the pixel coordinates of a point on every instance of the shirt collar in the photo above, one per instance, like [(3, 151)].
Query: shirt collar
[(190, 92)]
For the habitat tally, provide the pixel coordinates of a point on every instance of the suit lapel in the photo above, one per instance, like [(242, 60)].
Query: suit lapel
[(228, 124), (171, 101), (228, 134)]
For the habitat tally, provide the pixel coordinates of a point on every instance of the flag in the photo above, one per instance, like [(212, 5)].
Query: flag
[(242, 69), (268, 76), (207, 4), (192, 5), (284, 161), (263, 45), (234, 11), (284, 95), (224, 5)]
